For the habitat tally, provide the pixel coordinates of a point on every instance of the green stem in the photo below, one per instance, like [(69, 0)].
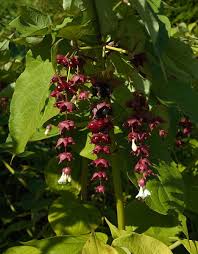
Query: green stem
[(120, 50), (118, 193), (117, 49), (84, 178), (174, 245)]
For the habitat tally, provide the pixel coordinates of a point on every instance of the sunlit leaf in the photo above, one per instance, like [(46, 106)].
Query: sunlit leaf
[(141, 244), (28, 100)]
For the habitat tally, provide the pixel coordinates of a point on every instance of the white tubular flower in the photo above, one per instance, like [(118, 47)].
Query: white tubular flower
[(133, 146), (66, 176), (48, 129), (143, 193)]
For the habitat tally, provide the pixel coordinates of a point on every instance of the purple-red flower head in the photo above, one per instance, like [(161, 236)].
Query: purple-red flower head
[(64, 106), (65, 141), (98, 125), (101, 175), (66, 156), (66, 125), (101, 162), (100, 138)]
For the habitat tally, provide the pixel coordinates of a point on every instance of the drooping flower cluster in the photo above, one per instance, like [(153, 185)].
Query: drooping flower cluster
[(141, 124), (184, 131), (100, 125), (66, 90)]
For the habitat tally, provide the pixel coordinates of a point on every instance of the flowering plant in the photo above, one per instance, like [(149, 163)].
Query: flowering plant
[(118, 109)]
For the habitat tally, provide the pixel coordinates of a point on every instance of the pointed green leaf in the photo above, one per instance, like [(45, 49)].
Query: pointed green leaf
[(28, 100), (87, 151), (167, 192), (149, 18), (115, 232)]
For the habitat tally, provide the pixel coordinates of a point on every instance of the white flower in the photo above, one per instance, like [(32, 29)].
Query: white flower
[(143, 193), (48, 129), (66, 176), (133, 146)]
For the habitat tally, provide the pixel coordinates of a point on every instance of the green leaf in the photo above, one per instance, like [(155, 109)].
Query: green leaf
[(131, 34), (115, 232), (179, 93), (87, 151), (94, 245), (122, 250), (31, 22), (191, 191), (178, 88), (141, 219), (71, 5), (28, 100), (40, 133), (60, 244), (167, 192), (182, 56), (141, 244), (155, 4), (149, 18), (106, 18), (69, 216), (190, 245), (22, 250), (166, 21), (74, 32), (49, 110)]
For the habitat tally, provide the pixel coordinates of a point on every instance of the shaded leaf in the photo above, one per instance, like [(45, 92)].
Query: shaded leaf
[(167, 192), (106, 18), (74, 32), (141, 219), (149, 18), (31, 22), (60, 244), (69, 216)]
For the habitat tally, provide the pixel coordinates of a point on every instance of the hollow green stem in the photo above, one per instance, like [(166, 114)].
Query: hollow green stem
[(118, 193)]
